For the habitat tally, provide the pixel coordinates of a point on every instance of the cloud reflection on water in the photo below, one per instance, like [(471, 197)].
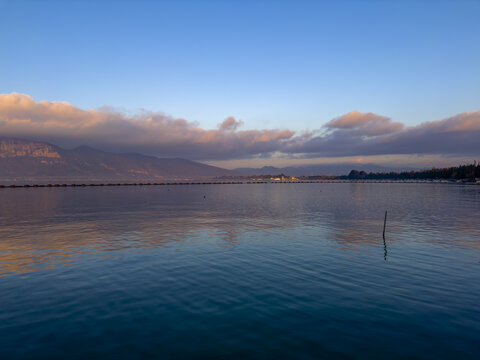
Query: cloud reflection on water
[(50, 228)]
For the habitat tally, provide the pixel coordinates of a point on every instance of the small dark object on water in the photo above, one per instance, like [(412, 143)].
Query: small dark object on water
[(384, 224), (204, 196)]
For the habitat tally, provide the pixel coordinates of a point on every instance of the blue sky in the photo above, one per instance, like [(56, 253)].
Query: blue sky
[(271, 64)]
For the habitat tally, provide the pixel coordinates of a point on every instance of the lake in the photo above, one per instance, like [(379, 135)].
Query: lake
[(252, 271)]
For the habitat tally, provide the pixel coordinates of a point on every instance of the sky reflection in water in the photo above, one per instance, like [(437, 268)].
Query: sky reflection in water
[(248, 271)]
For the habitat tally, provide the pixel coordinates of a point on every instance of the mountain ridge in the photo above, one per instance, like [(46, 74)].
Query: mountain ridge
[(29, 159)]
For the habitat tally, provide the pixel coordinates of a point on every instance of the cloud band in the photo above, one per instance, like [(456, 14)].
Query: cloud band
[(352, 134)]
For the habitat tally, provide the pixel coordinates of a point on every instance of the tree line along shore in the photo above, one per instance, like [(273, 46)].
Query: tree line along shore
[(468, 173), (462, 172)]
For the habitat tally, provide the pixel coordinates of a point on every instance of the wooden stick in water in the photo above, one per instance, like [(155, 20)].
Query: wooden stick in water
[(384, 224)]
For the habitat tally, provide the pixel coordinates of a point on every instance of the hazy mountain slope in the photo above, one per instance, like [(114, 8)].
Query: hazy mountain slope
[(322, 169), (24, 159)]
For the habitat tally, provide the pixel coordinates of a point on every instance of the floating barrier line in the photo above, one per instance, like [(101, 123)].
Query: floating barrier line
[(57, 185)]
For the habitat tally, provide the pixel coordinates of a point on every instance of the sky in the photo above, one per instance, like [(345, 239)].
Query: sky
[(246, 83)]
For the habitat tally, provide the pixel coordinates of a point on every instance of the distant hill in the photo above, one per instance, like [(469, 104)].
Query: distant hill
[(25, 159), (321, 169)]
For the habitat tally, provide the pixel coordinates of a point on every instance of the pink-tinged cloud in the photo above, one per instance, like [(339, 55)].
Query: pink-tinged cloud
[(149, 132), (370, 134), (354, 119), (353, 134), (368, 124), (468, 121), (230, 124)]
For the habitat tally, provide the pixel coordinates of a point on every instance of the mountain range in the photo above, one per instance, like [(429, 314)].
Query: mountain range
[(25, 160), (36, 160)]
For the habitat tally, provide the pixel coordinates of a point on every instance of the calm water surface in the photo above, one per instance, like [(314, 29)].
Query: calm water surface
[(261, 271)]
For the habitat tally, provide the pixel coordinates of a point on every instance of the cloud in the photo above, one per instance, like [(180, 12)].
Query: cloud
[(353, 134), (230, 124), (368, 124), (148, 132), (456, 135), (360, 134)]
